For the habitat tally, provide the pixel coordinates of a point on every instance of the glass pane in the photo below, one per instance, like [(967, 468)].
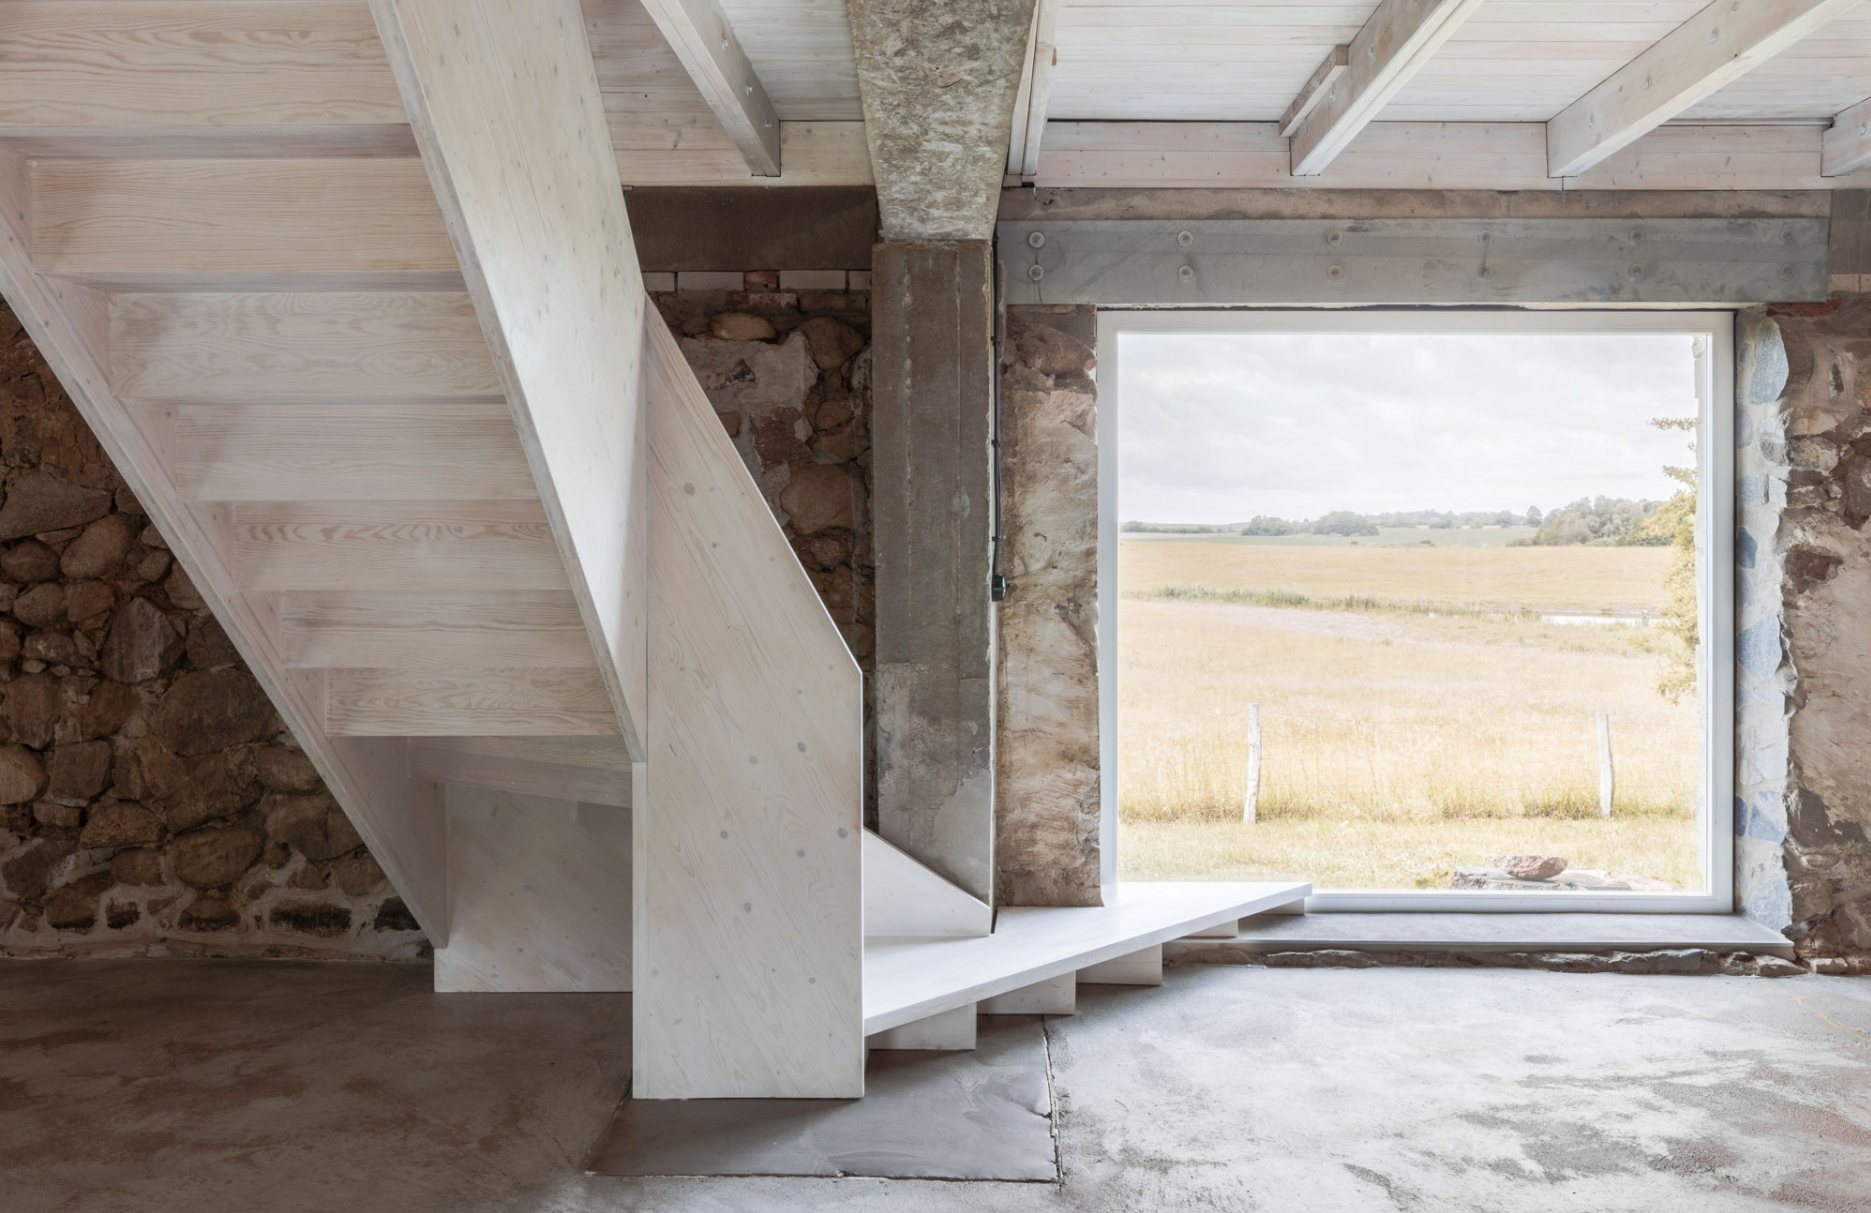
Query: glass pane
[(1410, 612)]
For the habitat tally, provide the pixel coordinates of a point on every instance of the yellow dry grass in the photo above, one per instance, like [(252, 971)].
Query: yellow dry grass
[(1543, 577), (1396, 746), (1366, 854)]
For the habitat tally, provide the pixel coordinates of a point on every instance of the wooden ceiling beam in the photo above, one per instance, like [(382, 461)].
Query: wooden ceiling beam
[(1392, 47), (1035, 96), (1712, 49), (1315, 89), (704, 40), (1847, 144)]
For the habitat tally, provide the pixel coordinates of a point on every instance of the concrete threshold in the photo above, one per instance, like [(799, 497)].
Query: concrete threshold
[(1412, 932)]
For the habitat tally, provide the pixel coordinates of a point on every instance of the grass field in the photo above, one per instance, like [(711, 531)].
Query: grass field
[(1399, 741)]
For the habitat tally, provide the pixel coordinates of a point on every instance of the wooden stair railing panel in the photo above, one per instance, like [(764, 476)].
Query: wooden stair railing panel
[(748, 915), (503, 97)]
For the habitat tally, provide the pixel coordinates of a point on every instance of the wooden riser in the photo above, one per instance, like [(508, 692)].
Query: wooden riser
[(444, 703), (592, 770), (263, 347), (333, 629), (447, 451)]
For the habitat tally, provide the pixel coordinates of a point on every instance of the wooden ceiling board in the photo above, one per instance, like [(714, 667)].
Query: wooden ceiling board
[(1513, 61)]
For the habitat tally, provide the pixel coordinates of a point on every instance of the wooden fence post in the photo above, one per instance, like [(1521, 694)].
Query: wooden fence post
[(1607, 780), (1250, 808)]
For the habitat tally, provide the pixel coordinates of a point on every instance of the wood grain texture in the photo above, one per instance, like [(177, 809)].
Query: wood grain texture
[(333, 629), (514, 768), (749, 891), (247, 219), (252, 347), (383, 545), (1412, 155), (911, 979), (1717, 46), (903, 898), (1847, 144), (539, 893), (811, 153), (530, 189), (399, 818), (1392, 47), (703, 39), (444, 703), (1035, 96), (1315, 89), (350, 452), (172, 62)]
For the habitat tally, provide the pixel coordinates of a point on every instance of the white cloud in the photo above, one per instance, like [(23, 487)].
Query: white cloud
[(1218, 428)]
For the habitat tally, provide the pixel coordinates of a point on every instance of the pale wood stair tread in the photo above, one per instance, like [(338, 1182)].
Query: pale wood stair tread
[(910, 979)]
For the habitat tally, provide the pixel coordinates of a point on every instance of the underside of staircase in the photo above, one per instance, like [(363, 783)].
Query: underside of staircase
[(349, 294)]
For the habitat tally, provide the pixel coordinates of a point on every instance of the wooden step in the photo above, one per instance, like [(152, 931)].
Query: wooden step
[(497, 702), (258, 347), (394, 546), (389, 630), (132, 64), (350, 452), (590, 770), (910, 979), (265, 224)]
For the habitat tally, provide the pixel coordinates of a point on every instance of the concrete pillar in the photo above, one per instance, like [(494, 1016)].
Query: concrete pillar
[(932, 519)]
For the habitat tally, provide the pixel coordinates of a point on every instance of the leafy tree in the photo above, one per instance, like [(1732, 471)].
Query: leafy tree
[(1261, 524), (1674, 523), (1533, 515), (1343, 522)]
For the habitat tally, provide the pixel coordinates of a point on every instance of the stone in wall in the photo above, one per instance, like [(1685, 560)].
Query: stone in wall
[(1046, 848), (1813, 790), (151, 801), (789, 375)]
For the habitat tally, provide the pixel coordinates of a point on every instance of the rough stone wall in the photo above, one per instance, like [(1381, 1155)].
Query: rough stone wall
[(1822, 548), (788, 372), (151, 801), (1046, 846), (1764, 682)]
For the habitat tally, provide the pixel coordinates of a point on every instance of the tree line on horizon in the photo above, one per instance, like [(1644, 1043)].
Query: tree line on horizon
[(1600, 521)]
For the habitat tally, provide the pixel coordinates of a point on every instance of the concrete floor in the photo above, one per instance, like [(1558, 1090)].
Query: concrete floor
[(159, 1086)]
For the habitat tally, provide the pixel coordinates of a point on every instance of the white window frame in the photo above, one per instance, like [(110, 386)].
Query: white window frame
[(1715, 524)]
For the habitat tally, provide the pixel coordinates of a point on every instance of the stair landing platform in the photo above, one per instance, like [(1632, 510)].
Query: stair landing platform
[(910, 979)]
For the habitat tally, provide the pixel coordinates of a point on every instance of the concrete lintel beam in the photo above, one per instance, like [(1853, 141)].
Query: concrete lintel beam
[(938, 83)]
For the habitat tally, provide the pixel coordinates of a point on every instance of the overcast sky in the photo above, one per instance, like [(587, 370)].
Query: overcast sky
[(1219, 428)]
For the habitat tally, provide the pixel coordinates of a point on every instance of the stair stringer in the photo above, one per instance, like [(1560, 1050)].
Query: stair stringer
[(503, 99), (747, 912)]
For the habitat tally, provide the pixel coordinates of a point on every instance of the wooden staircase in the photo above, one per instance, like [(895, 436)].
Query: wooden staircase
[(348, 294)]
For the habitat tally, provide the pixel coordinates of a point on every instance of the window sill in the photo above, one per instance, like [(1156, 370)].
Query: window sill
[(1434, 932)]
